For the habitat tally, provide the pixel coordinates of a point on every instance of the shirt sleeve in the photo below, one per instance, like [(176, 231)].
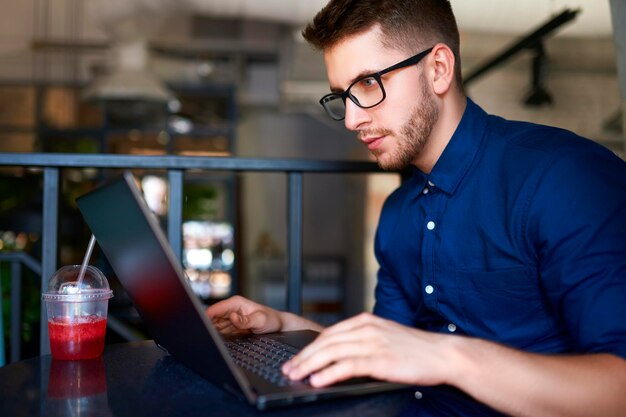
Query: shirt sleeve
[(577, 230), (391, 301)]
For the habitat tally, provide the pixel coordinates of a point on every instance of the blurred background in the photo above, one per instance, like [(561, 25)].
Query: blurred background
[(233, 78)]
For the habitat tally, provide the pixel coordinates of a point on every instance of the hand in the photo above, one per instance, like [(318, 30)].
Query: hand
[(238, 315), (367, 345)]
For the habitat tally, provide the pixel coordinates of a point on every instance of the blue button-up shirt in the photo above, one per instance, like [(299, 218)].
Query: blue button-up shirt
[(518, 235)]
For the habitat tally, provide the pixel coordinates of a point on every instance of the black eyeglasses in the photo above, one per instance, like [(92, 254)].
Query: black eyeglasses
[(366, 92)]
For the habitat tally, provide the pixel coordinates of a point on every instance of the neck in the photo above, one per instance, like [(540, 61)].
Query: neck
[(450, 114)]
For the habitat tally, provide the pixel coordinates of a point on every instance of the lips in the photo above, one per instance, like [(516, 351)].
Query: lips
[(373, 142)]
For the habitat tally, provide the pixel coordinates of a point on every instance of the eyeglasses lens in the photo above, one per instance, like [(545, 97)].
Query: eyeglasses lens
[(364, 93), (335, 107), (367, 92)]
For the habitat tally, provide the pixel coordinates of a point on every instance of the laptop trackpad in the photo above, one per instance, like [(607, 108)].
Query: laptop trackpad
[(298, 339)]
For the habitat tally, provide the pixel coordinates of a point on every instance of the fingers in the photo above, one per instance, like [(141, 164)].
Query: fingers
[(244, 322), (260, 321), (328, 356), (352, 337), (347, 349), (359, 329), (226, 327), (342, 370), (220, 323), (226, 315), (224, 308), (238, 314)]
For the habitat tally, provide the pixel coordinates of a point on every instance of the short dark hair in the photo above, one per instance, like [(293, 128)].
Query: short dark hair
[(409, 25)]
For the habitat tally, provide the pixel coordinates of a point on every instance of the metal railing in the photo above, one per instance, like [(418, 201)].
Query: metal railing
[(17, 260), (175, 166)]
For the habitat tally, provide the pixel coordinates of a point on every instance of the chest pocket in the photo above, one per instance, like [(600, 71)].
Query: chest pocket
[(502, 305)]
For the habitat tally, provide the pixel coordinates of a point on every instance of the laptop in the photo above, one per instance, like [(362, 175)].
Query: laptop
[(134, 244)]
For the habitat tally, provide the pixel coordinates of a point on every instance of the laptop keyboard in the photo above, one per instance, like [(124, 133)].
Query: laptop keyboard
[(262, 356)]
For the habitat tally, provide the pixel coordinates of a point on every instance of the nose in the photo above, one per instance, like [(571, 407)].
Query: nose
[(355, 116)]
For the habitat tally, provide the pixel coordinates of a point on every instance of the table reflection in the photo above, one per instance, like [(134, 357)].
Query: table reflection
[(77, 388)]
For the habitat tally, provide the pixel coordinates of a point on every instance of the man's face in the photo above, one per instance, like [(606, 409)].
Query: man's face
[(396, 130)]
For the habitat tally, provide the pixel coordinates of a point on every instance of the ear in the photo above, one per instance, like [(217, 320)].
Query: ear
[(443, 64)]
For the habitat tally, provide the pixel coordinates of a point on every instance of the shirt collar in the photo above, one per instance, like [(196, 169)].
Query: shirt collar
[(458, 155)]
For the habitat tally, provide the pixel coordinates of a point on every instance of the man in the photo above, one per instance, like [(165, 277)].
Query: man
[(502, 259)]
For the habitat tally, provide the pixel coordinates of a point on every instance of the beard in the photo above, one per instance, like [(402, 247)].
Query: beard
[(413, 135)]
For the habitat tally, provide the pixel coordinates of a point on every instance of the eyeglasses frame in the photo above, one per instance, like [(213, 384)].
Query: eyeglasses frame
[(377, 76)]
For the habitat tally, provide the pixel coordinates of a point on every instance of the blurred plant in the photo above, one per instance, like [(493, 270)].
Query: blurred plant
[(201, 202), (30, 311)]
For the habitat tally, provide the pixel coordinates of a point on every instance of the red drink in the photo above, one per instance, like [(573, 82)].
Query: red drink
[(81, 338)]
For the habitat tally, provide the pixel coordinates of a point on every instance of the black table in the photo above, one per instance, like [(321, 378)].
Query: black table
[(138, 379)]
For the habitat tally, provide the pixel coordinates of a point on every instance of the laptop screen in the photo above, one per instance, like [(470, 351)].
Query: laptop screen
[(135, 246)]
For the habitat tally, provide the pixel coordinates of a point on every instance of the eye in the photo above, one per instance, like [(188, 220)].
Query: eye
[(368, 82)]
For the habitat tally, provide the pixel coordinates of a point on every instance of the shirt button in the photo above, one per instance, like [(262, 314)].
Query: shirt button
[(425, 191), (418, 395), (429, 289), (431, 184), (430, 225), (451, 328)]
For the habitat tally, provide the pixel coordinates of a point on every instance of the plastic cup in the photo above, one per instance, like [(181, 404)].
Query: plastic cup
[(77, 316)]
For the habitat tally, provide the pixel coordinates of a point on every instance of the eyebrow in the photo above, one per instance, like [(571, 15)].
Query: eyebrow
[(360, 75)]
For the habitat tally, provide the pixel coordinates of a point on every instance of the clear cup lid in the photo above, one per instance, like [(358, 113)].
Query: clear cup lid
[(64, 284)]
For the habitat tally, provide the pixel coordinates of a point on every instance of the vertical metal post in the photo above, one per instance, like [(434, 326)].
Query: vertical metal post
[(175, 211), (49, 244), (16, 310), (294, 242), (232, 216)]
